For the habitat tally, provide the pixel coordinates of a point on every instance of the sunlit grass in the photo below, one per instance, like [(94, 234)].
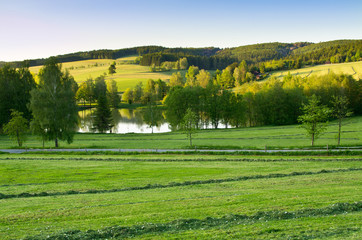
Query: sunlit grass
[(127, 75)]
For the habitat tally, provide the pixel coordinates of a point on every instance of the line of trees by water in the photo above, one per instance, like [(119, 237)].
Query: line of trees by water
[(51, 108), (272, 103)]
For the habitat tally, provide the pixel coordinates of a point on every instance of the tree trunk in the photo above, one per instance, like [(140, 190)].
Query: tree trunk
[(56, 142), (312, 139), (339, 130), (18, 138), (190, 140)]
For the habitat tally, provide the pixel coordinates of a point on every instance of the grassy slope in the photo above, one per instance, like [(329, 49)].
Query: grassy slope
[(323, 69), (127, 75), (257, 137), (20, 217)]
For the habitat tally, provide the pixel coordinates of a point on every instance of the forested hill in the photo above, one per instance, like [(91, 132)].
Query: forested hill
[(114, 54), (262, 52), (304, 53)]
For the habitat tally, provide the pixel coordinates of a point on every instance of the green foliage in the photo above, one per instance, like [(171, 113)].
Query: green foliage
[(114, 98), (138, 92), (191, 76), (176, 80), (15, 87), (226, 79), (127, 96), (53, 103), (314, 118), (189, 124), (112, 68), (17, 127), (340, 111), (103, 121), (86, 91)]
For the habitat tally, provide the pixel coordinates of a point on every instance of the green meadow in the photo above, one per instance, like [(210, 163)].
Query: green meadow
[(166, 197), (352, 68), (185, 195), (233, 138), (127, 74)]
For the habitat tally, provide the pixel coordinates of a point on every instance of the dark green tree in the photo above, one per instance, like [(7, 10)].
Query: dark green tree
[(15, 87), (103, 116), (100, 87), (112, 68), (53, 103), (17, 127)]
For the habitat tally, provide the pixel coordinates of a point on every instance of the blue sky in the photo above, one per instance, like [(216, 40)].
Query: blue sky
[(43, 28)]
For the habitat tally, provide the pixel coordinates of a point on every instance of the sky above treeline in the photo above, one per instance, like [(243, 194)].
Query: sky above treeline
[(42, 28)]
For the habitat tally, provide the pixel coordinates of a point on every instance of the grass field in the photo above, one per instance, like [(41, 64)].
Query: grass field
[(353, 68), (127, 75), (165, 197), (256, 137)]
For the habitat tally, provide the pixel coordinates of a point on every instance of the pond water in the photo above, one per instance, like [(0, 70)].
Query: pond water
[(126, 121)]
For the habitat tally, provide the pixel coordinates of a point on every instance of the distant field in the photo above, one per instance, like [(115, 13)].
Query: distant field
[(353, 68), (121, 197), (255, 137), (127, 75)]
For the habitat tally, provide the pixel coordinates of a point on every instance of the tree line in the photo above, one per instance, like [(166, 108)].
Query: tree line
[(50, 108), (272, 103)]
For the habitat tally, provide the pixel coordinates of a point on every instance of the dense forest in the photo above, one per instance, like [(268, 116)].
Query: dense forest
[(260, 57)]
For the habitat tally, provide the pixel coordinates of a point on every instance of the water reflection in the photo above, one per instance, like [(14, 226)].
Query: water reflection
[(126, 121)]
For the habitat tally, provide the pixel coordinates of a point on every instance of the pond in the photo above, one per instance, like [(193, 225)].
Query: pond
[(129, 121), (126, 121)]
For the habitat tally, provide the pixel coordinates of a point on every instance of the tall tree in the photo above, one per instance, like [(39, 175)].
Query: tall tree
[(340, 111), (191, 76), (176, 80), (100, 87), (127, 96), (203, 78), (15, 87), (189, 124), (113, 94), (17, 127), (53, 103), (314, 118), (138, 92), (103, 116), (226, 79), (183, 63)]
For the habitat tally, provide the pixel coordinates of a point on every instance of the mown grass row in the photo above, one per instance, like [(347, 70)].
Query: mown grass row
[(187, 159), (194, 224), (175, 184), (241, 153)]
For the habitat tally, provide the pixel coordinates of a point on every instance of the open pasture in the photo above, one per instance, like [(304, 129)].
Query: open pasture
[(352, 68), (127, 74), (166, 197)]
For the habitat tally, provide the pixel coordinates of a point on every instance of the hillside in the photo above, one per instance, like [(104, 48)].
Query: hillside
[(353, 68), (127, 74), (261, 52), (216, 58)]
